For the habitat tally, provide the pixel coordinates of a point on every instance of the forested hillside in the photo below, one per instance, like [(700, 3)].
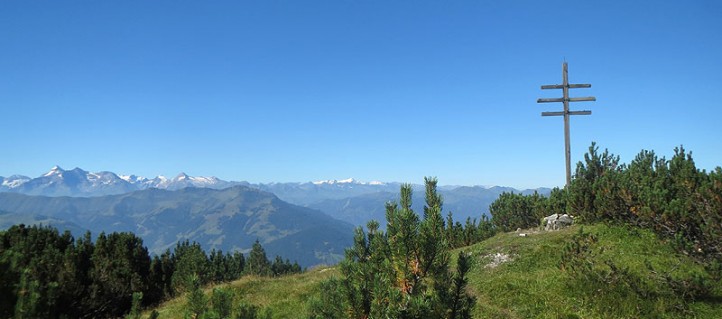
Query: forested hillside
[(44, 274), (229, 219)]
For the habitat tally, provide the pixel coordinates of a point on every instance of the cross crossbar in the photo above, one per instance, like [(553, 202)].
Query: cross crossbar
[(571, 99), (570, 113), (561, 86)]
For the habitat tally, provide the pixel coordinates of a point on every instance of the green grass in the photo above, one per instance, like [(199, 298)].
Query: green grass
[(528, 285), (532, 285), (285, 296)]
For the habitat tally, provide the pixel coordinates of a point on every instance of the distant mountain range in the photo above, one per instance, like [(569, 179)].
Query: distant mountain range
[(229, 219), (288, 218), (349, 200), (80, 183), (464, 202)]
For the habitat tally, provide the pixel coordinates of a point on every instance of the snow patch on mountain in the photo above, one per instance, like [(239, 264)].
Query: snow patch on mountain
[(348, 181), (77, 182), (13, 181), (133, 179), (55, 171)]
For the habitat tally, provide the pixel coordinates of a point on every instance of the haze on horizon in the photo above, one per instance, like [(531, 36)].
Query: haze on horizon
[(319, 90)]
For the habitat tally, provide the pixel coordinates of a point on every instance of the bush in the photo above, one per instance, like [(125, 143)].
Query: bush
[(401, 273)]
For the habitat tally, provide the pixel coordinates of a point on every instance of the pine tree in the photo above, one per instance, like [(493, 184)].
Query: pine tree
[(217, 266), (236, 265), (135, 308), (28, 303), (258, 263), (461, 303), (402, 273), (189, 260), (196, 302), (221, 302)]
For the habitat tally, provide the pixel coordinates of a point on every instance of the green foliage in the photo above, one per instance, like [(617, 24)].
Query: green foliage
[(602, 281), (197, 303), (249, 311), (135, 306), (44, 274), (461, 302), (258, 263), (121, 266), (594, 184), (327, 300), (556, 203), (190, 261), (458, 235), (51, 275), (402, 273), (29, 304), (531, 284), (281, 267), (221, 302), (511, 211), (160, 278), (672, 197)]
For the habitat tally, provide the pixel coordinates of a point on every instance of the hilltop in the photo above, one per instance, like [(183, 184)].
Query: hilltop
[(520, 277)]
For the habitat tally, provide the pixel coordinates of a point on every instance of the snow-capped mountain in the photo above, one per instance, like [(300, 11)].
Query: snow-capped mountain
[(12, 181), (348, 181), (179, 182), (75, 182), (78, 182), (183, 180), (350, 200)]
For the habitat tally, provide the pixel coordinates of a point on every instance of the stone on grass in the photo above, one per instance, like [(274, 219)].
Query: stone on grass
[(557, 221)]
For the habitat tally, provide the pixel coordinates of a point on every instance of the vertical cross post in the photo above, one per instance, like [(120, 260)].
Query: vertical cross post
[(565, 86)]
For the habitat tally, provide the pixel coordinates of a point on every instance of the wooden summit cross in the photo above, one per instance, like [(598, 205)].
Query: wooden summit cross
[(565, 86)]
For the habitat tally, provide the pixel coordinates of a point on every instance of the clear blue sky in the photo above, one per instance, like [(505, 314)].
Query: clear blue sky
[(376, 90)]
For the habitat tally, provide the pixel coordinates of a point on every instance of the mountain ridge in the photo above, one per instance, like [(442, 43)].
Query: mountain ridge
[(81, 183), (228, 219), (349, 200)]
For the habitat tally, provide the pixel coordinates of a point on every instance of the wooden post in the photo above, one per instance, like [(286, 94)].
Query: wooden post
[(565, 86)]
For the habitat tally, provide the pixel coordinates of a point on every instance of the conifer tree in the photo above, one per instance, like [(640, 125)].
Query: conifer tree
[(196, 304), (402, 273), (258, 263), (29, 298), (221, 300), (461, 303), (135, 308), (189, 260)]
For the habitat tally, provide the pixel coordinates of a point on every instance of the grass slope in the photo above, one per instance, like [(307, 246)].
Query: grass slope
[(285, 296), (520, 277), (530, 283)]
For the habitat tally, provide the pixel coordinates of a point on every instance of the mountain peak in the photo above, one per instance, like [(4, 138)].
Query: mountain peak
[(348, 181), (14, 181), (56, 170), (334, 181), (79, 170)]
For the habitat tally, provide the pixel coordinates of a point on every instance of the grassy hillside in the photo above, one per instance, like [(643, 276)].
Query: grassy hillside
[(285, 296), (520, 277), (530, 283)]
